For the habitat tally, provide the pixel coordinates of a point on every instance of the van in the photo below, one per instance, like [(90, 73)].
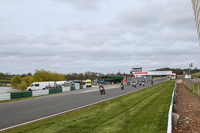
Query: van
[(88, 83), (61, 83), (41, 85)]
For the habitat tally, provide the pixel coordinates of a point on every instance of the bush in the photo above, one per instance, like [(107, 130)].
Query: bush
[(28, 80), (16, 80), (22, 86)]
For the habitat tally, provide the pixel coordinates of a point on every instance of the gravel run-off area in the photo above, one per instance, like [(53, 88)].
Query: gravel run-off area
[(188, 108)]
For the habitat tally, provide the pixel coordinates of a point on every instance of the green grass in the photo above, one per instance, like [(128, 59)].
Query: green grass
[(196, 75), (5, 81), (156, 78), (138, 112), (195, 88)]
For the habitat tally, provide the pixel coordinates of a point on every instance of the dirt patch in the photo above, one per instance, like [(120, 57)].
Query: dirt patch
[(188, 108)]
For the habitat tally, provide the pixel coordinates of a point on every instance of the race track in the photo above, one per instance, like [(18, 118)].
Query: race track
[(18, 112)]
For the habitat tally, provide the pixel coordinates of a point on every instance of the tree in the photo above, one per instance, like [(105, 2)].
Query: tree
[(22, 85), (42, 75), (28, 80), (29, 74)]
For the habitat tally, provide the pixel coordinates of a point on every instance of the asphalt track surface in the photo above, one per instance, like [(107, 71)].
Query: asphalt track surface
[(18, 112)]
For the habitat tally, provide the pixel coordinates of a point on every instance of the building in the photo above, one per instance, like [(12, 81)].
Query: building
[(136, 69), (109, 79), (196, 8)]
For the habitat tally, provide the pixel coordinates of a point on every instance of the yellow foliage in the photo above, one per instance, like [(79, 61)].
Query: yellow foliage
[(39, 76)]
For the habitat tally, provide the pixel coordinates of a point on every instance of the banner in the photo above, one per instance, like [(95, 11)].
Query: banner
[(154, 73)]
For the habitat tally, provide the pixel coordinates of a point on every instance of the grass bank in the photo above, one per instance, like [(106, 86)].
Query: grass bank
[(196, 75), (142, 111)]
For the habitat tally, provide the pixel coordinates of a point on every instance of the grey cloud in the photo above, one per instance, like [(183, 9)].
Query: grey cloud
[(84, 5), (151, 36), (141, 16), (11, 39)]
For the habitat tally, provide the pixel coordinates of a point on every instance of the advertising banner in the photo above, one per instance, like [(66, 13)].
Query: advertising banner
[(154, 73)]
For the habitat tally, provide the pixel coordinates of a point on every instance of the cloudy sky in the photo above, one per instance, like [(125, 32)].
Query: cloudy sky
[(105, 36)]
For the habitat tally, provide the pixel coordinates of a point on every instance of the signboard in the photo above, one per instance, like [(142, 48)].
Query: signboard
[(136, 69), (154, 73), (188, 76)]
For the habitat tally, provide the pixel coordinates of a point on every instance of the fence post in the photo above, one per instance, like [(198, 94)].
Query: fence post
[(193, 87), (198, 89)]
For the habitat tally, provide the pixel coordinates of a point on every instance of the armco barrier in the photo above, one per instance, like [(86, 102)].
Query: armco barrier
[(64, 89), (40, 92), (21, 94), (169, 126), (72, 88), (5, 96), (56, 90)]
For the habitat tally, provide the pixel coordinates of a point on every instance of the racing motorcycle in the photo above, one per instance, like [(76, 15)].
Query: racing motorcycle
[(143, 83), (102, 90), (134, 84), (122, 86), (139, 83)]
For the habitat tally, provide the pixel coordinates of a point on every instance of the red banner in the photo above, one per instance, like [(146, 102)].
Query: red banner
[(140, 73)]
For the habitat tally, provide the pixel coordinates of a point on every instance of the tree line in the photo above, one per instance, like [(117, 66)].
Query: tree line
[(22, 82), (179, 71)]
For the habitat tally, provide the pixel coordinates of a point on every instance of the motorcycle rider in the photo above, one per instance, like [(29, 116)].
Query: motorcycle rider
[(134, 84), (140, 83), (122, 85), (143, 82), (152, 81), (101, 86)]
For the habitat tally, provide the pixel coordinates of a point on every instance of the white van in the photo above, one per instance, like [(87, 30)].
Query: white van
[(61, 83), (41, 85)]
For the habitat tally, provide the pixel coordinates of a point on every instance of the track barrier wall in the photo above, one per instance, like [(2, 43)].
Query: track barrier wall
[(55, 90), (169, 126), (14, 95), (84, 86), (21, 94), (64, 89), (5, 96), (40, 92), (72, 88), (81, 86), (77, 87)]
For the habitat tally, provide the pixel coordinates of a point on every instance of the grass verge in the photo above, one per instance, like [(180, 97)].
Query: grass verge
[(196, 75), (142, 111)]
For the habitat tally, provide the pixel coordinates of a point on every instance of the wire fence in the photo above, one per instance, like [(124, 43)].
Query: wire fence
[(192, 85)]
